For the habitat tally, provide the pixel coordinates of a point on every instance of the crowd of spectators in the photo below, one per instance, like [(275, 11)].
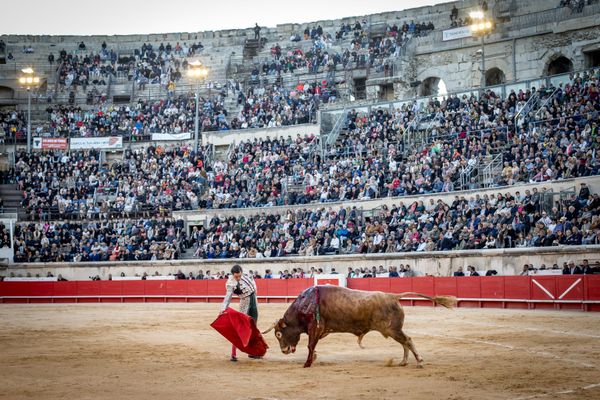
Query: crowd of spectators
[(175, 114), (257, 172), (402, 271), (163, 64), (275, 106), (370, 159), (115, 240), (480, 222), (559, 141), (75, 69), (568, 268), (77, 185), (4, 231), (315, 60), (361, 53), (13, 124), (271, 106), (576, 6)]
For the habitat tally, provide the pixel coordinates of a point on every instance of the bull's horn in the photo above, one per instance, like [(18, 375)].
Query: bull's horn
[(270, 328)]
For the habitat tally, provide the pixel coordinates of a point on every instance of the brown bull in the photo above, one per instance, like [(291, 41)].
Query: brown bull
[(321, 310)]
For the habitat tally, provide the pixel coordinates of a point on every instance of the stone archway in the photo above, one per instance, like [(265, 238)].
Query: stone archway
[(432, 86), (6, 93), (558, 64), (494, 76)]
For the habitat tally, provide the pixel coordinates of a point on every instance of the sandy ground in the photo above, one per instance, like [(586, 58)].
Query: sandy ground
[(168, 351)]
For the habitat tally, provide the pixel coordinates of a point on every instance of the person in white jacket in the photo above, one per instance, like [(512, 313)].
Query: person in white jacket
[(244, 286)]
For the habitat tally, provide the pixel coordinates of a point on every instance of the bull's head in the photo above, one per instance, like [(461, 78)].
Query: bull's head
[(287, 335)]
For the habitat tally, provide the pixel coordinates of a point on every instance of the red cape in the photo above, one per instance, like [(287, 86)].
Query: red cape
[(241, 331)]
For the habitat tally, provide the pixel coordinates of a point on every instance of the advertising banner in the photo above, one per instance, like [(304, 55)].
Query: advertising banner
[(49, 143), (172, 136), (456, 33), (104, 143)]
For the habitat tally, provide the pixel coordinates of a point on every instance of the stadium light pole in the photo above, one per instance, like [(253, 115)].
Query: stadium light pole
[(198, 72), (29, 80), (481, 26)]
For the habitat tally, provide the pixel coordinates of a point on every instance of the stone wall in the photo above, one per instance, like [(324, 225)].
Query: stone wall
[(225, 138), (521, 54), (521, 46)]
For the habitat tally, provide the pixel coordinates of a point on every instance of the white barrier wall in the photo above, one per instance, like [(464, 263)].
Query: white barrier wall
[(7, 253), (504, 261), (225, 138)]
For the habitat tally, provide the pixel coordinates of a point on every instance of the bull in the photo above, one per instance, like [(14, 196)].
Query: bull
[(321, 310)]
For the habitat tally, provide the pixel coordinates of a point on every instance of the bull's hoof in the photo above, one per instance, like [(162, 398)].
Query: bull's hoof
[(419, 365)]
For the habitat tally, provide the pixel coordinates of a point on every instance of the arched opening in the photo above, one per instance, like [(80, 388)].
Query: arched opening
[(433, 86), (6, 93), (560, 65), (592, 58), (494, 76)]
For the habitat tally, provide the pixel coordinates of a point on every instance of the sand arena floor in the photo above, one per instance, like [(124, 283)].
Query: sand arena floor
[(168, 351)]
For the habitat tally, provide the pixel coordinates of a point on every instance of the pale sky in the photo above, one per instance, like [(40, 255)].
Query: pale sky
[(109, 17)]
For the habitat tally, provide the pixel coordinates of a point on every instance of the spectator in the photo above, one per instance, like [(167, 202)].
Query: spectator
[(586, 268), (572, 269), (257, 31), (142, 240)]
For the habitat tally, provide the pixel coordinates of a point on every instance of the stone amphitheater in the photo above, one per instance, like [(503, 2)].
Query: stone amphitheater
[(533, 43)]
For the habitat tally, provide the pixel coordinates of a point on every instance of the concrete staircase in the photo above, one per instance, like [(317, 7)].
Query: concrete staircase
[(251, 48), (221, 153), (232, 107)]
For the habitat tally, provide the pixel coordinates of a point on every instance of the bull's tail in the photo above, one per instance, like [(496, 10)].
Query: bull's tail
[(445, 301)]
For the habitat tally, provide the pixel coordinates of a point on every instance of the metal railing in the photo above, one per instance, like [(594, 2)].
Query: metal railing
[(337, 128), (523, 112), (53, 214), (464, 177), (230, 150), (545, 101), (209, 154), (491, 171)]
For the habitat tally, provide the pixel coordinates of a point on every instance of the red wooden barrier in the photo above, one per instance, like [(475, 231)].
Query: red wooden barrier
[(399, 285), (591, 292), (557, 292), (296, 286), (517, 288)]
